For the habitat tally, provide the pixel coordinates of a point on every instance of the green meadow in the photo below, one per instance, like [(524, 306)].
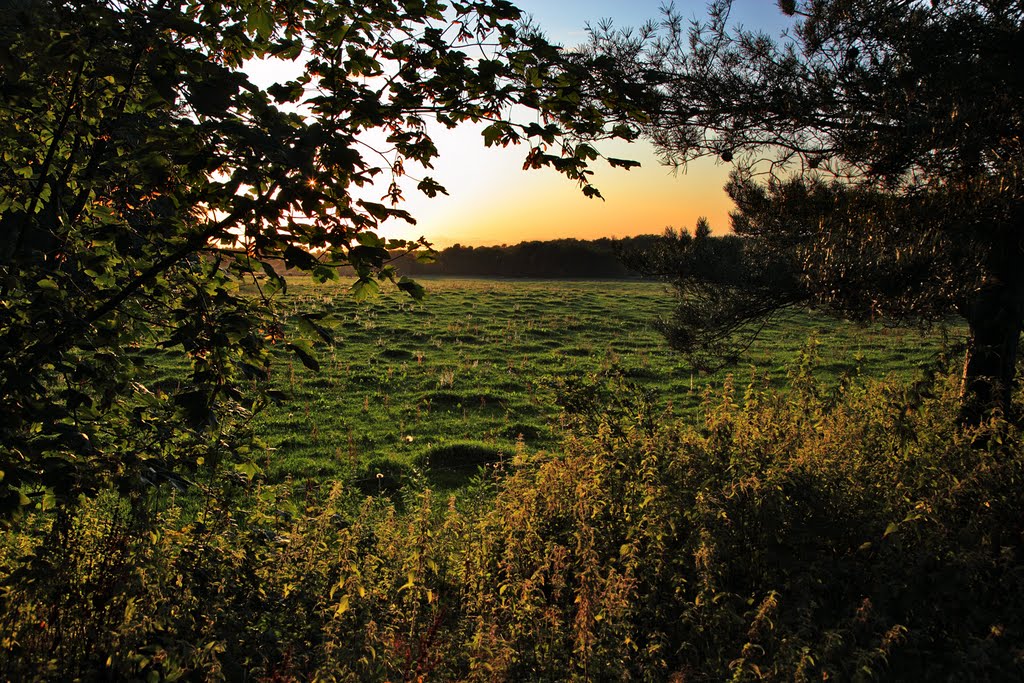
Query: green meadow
[(471, 485), (481, 369)]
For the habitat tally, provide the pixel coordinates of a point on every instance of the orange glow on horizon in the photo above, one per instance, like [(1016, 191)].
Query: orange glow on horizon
[(493, 201)]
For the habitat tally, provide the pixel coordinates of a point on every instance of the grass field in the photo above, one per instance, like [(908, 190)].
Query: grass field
[(469, 374)]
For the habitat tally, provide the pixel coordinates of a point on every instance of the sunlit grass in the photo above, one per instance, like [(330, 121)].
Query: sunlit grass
[(472, 368)]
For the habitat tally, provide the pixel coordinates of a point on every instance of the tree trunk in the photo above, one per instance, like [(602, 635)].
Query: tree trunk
[(990, 369)]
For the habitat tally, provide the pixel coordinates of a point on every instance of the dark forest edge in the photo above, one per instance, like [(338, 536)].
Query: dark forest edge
[(562, 258), (597, 259)]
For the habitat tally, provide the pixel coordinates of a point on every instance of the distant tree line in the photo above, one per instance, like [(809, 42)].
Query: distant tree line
[(563, 258)]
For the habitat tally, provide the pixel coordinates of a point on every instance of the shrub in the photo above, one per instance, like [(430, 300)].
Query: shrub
[(259, 585), (844, 533), (852, 533)]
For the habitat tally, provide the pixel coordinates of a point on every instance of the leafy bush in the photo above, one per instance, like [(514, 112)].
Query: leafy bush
[(853, 533), (262, 585), (845, 533)]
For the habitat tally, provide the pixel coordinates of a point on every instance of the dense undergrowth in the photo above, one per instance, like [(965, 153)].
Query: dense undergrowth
[(849, 533)]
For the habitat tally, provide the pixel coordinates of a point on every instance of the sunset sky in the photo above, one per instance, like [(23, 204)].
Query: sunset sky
[(493, 201)]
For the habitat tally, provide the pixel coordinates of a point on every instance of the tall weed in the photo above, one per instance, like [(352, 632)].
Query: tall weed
[(848, 533)]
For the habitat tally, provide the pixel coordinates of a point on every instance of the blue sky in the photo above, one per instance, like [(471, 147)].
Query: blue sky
[(564, 20)]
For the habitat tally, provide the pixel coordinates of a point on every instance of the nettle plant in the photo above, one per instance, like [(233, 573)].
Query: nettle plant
[(145, 176)]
